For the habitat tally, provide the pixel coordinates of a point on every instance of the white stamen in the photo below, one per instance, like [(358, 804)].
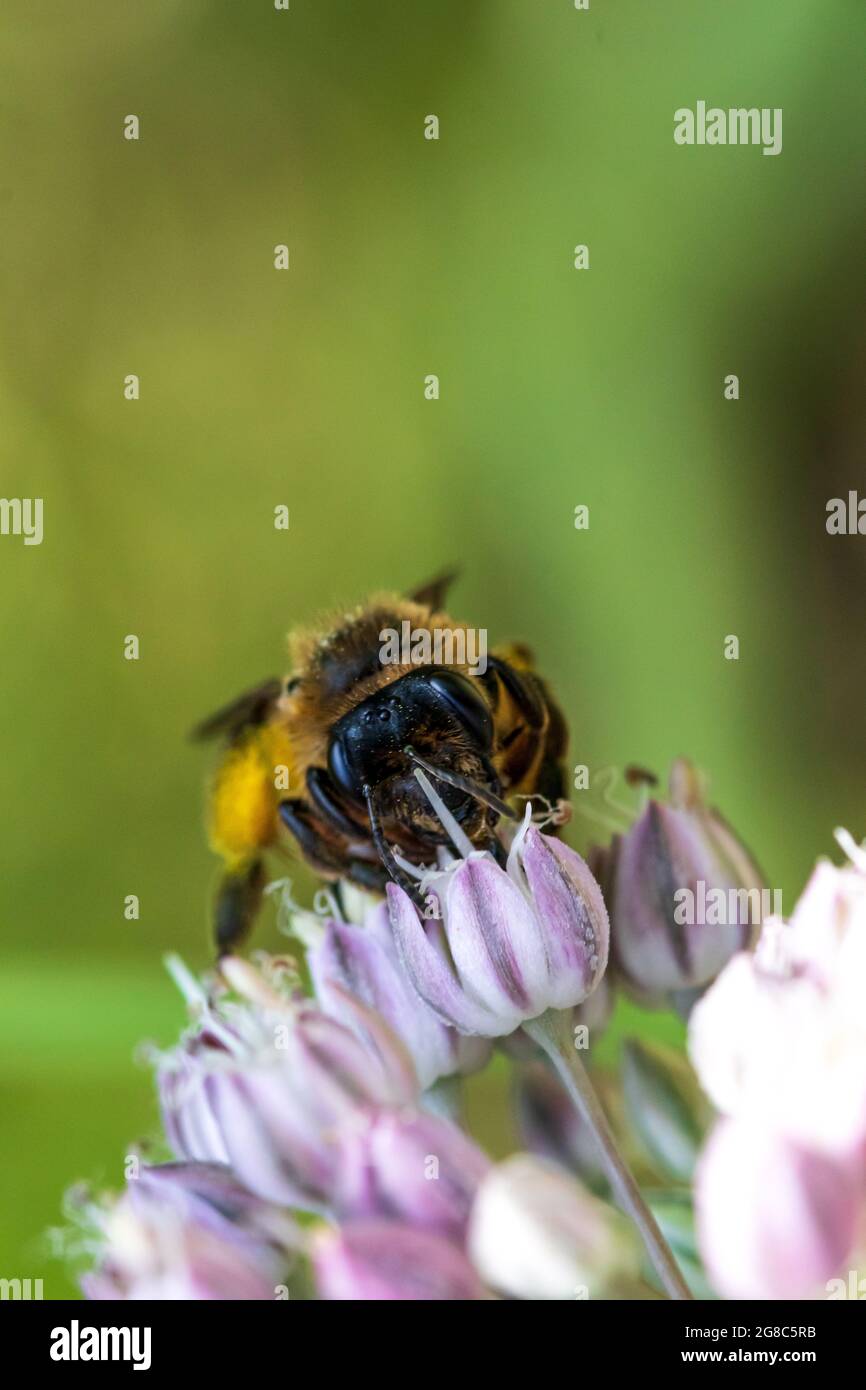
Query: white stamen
[(248, 983), (461, 841), (513, 866), (856, 853), (186, 982), (409, 868)]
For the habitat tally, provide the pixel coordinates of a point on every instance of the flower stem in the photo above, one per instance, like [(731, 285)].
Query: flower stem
[(551, 1032)]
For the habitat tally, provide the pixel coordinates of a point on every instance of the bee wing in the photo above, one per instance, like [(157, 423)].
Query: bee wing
[(249, 709), (433, 593)]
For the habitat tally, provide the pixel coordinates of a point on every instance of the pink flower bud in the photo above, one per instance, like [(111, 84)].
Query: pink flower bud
[(511, 943), (385, 1261), (780, 1038), (189, 1232), (684, 894), (265, 1086), (362, 961), (774, 1221), (410, 1167)]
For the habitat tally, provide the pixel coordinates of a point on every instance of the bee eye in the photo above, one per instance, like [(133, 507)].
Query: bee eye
[(340, 769), (466, 704)]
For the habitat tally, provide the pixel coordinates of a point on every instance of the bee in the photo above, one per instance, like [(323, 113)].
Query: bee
[(330, 753)]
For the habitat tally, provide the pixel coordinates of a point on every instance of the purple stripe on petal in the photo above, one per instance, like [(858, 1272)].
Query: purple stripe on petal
[(400, 1079), (275, 1151), (571, 909), (431, 973), (494, 938)]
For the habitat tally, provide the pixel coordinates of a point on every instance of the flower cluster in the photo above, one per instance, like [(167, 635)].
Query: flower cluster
[(318, 1146), (281, 1107)]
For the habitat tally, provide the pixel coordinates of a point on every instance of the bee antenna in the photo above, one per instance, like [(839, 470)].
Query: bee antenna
[(454, 779)]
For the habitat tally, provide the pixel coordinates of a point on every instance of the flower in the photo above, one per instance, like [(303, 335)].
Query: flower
[(681, 890), (362, 962), (774, 1221), (265, 1085), (781, 1035), (384, 1260), (536, 1234), (188, 1231), (779, 1043), (410, 1167), (511, 943)]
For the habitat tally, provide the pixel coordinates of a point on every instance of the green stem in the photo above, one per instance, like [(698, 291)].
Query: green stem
[(551, 1032)]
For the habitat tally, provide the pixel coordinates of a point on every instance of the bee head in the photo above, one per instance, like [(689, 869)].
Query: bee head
[(437, 714)]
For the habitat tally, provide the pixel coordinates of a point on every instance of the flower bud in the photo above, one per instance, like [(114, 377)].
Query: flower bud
[(512, 943), (384, 1261), (410, 1167), (779, 1043), (535, 1233), (664, 1106), (774, 1221), (684, 894), (346, 959), (188, 1232), (266, 1086), (780, 1037), (550, 1126)]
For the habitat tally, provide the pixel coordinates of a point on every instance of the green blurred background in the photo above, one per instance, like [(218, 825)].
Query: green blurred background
[(558, 387)]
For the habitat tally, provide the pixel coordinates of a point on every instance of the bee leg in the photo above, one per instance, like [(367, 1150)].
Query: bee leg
[(551, 781), (310, 830), (311, 835), (386, 854), (367, 875), (522, 691), (325, 798), (238, 899)]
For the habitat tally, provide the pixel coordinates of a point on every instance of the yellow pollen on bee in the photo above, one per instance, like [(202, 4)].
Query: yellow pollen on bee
[(244, 796)]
